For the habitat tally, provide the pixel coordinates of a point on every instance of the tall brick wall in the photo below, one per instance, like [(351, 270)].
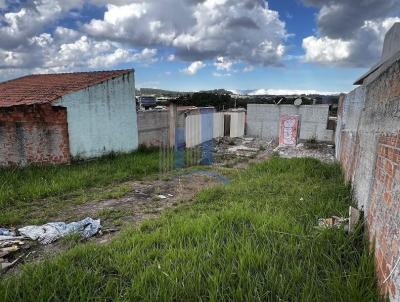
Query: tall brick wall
[(33, 135), (369, 151), (384, 211)]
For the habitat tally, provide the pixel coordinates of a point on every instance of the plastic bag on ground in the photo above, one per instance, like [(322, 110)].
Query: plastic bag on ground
[(52, 231)]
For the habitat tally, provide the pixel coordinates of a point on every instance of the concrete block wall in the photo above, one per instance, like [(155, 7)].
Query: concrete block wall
[(263, 121), (33, 135), (369, 151), (153, 128), (238, 120)]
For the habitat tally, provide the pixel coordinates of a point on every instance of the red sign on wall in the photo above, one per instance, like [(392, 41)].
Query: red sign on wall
[(288, 130)]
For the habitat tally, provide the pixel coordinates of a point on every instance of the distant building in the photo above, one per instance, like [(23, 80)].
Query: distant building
[(147, 102), (53, 118)]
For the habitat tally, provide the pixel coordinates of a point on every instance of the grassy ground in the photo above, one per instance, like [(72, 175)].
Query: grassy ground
[(20, 187), (252, 240)]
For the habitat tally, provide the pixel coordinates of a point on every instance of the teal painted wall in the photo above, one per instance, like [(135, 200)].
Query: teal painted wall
[(102, 118)]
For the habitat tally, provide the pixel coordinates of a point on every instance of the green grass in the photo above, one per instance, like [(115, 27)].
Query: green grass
[(19, 187), (252, 240)]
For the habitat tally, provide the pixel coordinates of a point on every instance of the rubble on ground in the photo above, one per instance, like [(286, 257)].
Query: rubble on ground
[(322, 151), (349, 224), (228, 148)]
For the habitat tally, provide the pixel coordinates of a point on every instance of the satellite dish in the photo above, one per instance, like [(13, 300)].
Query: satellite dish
[(298, 102)]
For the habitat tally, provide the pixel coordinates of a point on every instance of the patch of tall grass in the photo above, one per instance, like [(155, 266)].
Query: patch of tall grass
[(24, 185), (252, 240)]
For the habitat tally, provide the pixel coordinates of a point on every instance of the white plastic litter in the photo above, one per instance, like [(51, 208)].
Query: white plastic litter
[(50, 232), (6, 232)]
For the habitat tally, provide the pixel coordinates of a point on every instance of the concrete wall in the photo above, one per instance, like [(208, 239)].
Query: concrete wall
[(369, 151), (263, 120), (102, 118), (238, 120), (33, 135), (153, 128)]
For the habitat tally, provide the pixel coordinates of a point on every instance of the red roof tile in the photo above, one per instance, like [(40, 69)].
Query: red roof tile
[(46, 88)]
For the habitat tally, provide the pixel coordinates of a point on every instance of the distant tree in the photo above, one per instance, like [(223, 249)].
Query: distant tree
[(204, 99)]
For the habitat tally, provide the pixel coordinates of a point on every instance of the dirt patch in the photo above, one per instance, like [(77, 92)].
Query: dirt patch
[(145, 199)]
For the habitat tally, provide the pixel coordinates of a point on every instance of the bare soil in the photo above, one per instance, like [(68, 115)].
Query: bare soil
[(144, 201)]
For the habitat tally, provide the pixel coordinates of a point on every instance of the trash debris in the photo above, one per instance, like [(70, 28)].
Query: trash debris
[(162, 196), (337, 222), (6, 232), (7, 265), (323, 152), (50, 232), (247, 140), (332, 222), (243, 150), (10, 247)]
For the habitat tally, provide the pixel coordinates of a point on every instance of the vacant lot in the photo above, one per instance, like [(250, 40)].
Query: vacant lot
[(20, 187), (254, 239)]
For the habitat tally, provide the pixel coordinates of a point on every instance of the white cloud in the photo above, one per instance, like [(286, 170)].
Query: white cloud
[(246, 30), (363, 50), (290, 92), (326, 50), (29, 20), (350, 33), (223, 64), (227, 32), (193, 68), (46, 55)]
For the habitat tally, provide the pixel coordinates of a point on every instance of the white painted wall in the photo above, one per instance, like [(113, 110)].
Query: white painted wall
[(193, 130), (194, 125), (102, 118), (218, 124)]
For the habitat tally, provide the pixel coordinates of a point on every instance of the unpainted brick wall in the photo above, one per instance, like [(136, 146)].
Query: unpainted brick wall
[(33, 135), (369, 151), (384, 210)]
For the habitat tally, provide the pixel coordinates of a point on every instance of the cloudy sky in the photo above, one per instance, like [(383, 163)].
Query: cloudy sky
[(321, 45)]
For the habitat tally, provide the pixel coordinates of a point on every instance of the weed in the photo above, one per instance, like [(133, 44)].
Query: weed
[(252, 240), (111, 214), (20, 187)]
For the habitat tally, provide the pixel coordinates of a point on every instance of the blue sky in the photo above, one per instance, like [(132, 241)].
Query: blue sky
[(196, 45)]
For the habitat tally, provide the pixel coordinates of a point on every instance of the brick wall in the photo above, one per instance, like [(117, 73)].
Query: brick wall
[(368, 147), (384, 210), (33, 135)]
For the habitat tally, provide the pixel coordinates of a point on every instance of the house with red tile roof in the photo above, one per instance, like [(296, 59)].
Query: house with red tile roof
[(53, 118)]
